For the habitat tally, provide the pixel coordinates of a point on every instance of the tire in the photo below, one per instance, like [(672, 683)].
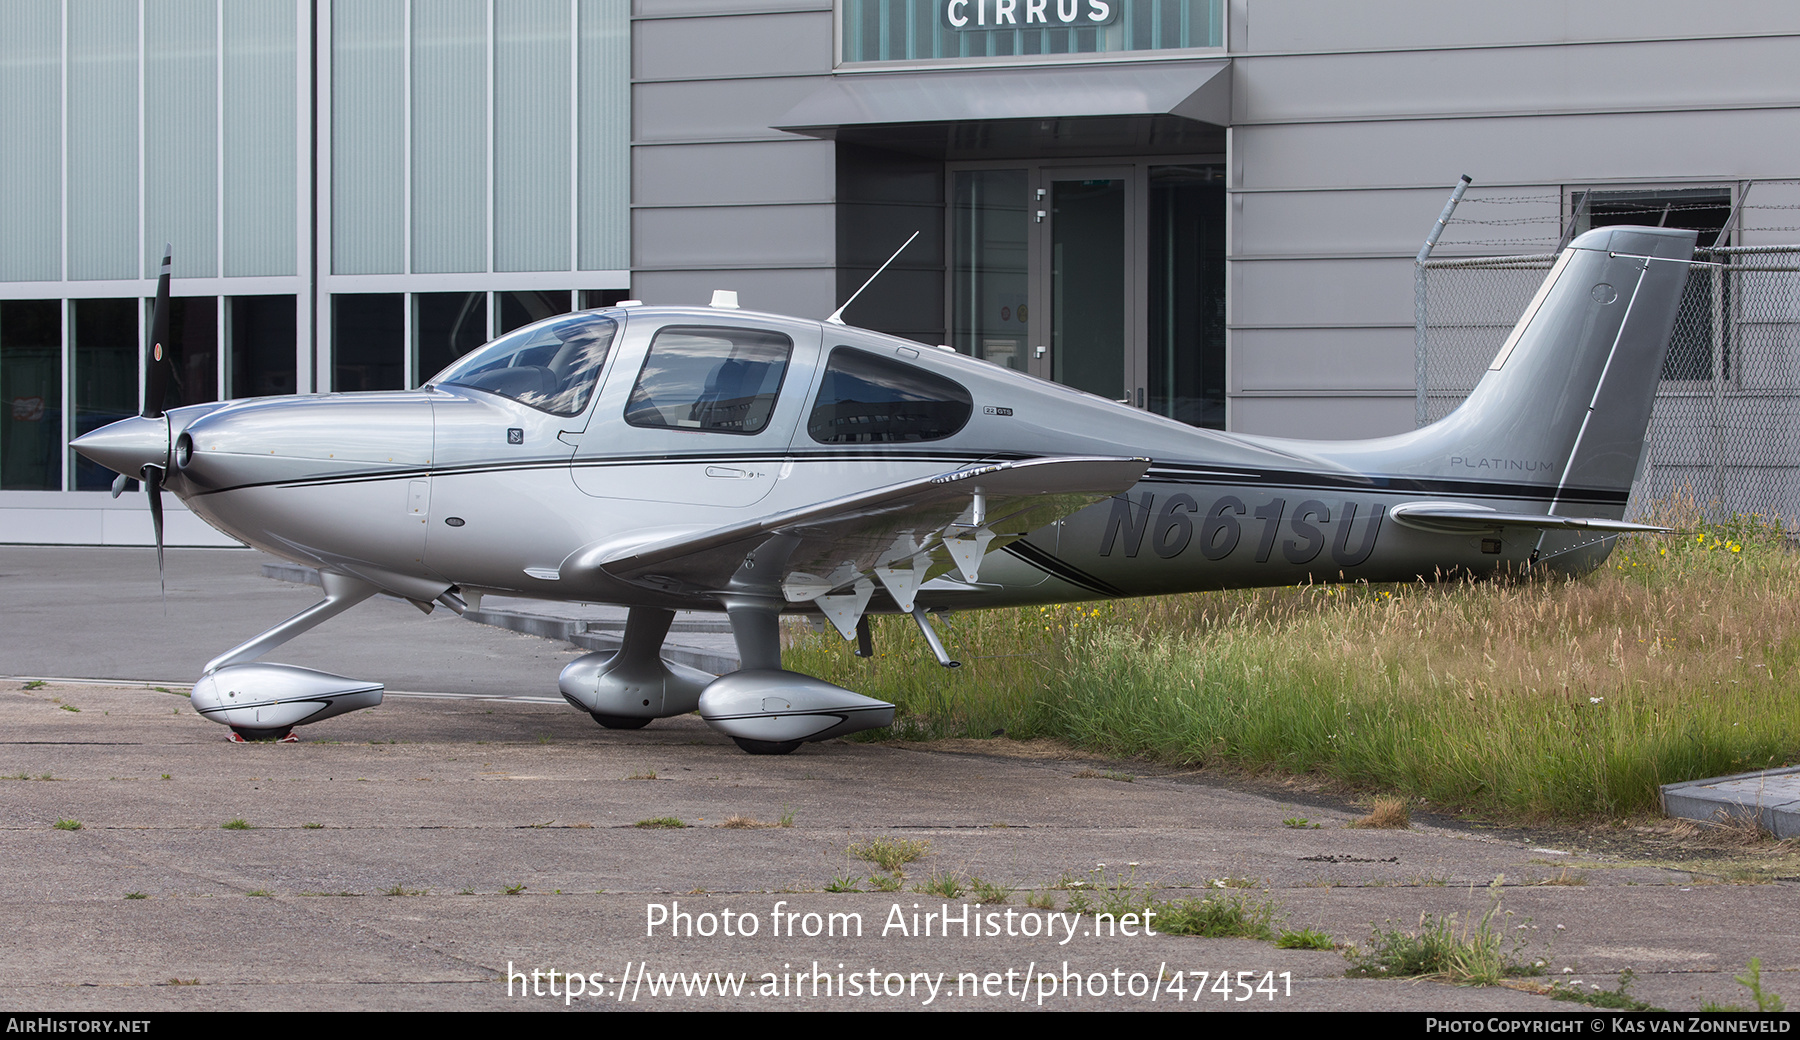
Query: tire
[(259, 735), (766, 747), (620, 721)]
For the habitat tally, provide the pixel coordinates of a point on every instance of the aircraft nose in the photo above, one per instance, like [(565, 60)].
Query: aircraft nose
[(128, 445)]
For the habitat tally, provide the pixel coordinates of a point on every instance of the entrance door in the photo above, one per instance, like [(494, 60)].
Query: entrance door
[(1108, 278), (1085, 244)]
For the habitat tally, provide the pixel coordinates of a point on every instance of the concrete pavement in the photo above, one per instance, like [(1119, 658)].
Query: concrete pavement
[(376, 861)]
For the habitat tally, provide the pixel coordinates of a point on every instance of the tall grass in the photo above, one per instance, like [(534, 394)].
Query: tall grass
[(1527, 698)]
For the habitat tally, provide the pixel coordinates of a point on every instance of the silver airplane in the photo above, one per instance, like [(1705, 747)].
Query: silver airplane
[(682, 458)]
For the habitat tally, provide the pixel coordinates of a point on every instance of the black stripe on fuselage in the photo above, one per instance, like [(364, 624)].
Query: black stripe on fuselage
[(1061, 569), (1160, 472), (1376, 484)]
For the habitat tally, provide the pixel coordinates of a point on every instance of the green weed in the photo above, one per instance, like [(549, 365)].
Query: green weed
[(1305, 939), (988, 892), (1594, 996), (136, 895), (948, 886), (67, 825), (660, 822), (1478, 954), (890, 854), (1751, 980), (886, 882), (843, 883), (1216, 917), (236, 825)]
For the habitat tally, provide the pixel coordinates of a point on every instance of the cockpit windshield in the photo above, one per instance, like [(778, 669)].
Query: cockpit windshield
[(551, 366)]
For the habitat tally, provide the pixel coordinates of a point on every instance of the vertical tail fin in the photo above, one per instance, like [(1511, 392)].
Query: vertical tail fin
[(1568, 397)]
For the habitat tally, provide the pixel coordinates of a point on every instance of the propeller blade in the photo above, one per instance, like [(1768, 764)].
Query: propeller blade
[(153, 486), (118, 484), (156, 362)]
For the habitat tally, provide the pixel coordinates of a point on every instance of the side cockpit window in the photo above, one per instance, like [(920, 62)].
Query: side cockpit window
[(715, 380), (551, 366), (868, 399)]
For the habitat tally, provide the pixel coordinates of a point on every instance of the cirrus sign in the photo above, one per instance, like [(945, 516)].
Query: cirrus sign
[(971, 15)]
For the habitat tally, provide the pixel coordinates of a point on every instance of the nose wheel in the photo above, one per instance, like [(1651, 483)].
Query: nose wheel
[(241, 735)]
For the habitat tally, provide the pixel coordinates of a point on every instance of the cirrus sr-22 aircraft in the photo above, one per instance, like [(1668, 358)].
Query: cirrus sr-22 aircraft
[(712, 458)]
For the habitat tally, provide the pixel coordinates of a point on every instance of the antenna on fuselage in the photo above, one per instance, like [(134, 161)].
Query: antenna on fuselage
[(837, 316)]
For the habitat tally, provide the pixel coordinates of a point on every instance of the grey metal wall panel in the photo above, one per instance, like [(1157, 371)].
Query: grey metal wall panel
[(31, 142), (603, 148), (449, 136), (1325, 418), (1525, 149), (1395, 222), (1771, 214), (773, 236), (1321, 292), (1661, 74), (733, 174), (807, 293), (721, 110), (368, 137), (1334, 222), (716, 47), (259, 103), (678, 8), (103, 157), (1331, 25), (1323, 359), (532, 69), (181, 128)]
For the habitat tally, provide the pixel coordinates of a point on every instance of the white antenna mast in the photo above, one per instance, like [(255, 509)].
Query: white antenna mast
[(837, 316)]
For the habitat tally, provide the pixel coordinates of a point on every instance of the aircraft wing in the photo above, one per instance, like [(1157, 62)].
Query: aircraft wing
[(900, 535), (1461, 518)]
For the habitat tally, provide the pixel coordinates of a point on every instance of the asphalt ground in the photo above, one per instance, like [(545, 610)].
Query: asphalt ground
[(430, 852)]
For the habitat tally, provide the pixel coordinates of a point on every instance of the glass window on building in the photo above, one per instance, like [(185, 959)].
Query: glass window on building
[(368, 341), (518, 309), (1187, 294), (592, 299), (1703, 331), (31, 394), (445, 327), (926, 30), (990, 268), (105, 337), (192, 350), (262, 339)]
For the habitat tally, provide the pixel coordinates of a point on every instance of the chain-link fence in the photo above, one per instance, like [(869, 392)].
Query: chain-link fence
[(1724, 429)]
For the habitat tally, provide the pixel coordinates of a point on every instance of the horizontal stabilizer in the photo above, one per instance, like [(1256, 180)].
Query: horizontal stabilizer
[(1459, 518)]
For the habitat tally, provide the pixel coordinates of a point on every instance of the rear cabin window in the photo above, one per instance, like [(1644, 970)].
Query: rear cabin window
[(715, 380), (869, 399)]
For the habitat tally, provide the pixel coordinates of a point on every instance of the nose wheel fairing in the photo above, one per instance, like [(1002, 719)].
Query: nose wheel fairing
[(265, 697)]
